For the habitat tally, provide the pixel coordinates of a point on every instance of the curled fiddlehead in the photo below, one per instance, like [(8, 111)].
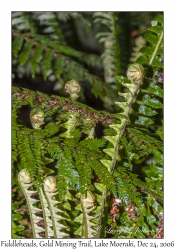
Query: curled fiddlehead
[(50, 184), (50, 191), (73, 88), (135, 73), (25, 182), (36, 118)]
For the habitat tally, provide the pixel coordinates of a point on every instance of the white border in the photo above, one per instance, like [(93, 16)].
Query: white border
[(5, 93)]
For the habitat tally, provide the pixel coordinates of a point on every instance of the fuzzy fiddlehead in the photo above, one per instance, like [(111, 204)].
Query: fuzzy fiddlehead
[(37, 118), (50, 189), (73, 88), (25, 183), (135, 74)]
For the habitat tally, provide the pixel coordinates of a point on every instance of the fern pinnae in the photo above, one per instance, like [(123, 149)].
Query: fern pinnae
[(46, 64), (152, 55), (139, 42), (17, 44), (14, 137), (25, 53), (110, 56), (25, 182), (53, 29), (28, 161), (35, 58), (89, 128)]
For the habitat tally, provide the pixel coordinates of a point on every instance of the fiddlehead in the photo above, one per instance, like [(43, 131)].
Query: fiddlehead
[(72, 87), (36, 118), (50, 189), (135, 74), (25, 183)]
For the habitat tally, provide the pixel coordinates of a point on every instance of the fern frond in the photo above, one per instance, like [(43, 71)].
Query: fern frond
[(32, 160), (110, 56), (143, 143), (36, 58), (25, 53), (67, 175), (21, 21), (50, 20), (139, 43)]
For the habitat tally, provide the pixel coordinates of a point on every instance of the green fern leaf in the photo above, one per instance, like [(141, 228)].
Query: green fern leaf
[(152, 102), (159, 19), (144, 121), (17, 44), (35, 59), (59, 65), (25, 53), (46, 63), (156, 90), (147, 111)]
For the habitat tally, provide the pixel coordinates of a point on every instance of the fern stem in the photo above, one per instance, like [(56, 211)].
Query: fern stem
[(155, 50), (46, 215), (135, 74), (123, 124), (66, 105)]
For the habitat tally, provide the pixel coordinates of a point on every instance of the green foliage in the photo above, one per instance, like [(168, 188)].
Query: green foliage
[(152, 53), (70, 159), (110, 56), (16, 228), (50, 58)]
